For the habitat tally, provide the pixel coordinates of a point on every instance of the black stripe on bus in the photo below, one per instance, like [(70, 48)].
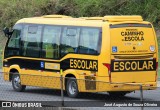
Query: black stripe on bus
[(69, 63)]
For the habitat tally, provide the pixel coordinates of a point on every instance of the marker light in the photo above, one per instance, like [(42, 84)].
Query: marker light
[(109, 70), (152, 48)]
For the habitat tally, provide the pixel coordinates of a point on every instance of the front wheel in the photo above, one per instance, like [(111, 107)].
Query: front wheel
[(72, 88), (16, 83)]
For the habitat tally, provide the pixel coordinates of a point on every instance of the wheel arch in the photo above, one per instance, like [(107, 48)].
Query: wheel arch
[(69, 75), (12, 70)]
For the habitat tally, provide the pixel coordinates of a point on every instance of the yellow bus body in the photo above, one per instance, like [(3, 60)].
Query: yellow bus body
[(128, 56)]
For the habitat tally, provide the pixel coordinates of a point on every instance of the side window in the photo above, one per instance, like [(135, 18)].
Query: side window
[(13, 47), (51, 42), (89, 40), (69, 40), (31, 40)]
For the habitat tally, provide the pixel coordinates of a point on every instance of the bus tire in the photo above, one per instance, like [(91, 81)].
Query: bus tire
[(117, 94), (72, 88), (16, 83)]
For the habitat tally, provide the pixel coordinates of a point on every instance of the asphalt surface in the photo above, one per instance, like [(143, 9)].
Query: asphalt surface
[(53, 97)]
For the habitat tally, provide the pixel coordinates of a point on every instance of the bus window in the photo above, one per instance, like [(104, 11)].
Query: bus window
[(69, 40), (89, 41), (31, 40), (51, 41), (14, 42)]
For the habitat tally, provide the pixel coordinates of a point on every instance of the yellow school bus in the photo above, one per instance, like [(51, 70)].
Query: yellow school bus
[(115, 53)]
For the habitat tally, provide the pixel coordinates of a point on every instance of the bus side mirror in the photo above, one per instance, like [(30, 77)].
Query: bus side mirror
[(7, 32)]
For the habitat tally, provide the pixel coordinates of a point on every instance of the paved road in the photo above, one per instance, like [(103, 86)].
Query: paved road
[(41, 94)]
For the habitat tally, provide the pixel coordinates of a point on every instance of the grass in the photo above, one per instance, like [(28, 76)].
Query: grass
[(0, 57), (13, 10), (2, 44)]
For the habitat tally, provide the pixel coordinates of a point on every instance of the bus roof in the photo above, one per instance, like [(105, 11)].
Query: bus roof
[(82, 21)]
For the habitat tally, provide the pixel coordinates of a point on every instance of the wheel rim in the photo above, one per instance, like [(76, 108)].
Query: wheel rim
[(17, 82), (72, 87)]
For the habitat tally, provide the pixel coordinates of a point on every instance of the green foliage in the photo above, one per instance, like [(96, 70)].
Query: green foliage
[(149, 9), (13, 10)]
